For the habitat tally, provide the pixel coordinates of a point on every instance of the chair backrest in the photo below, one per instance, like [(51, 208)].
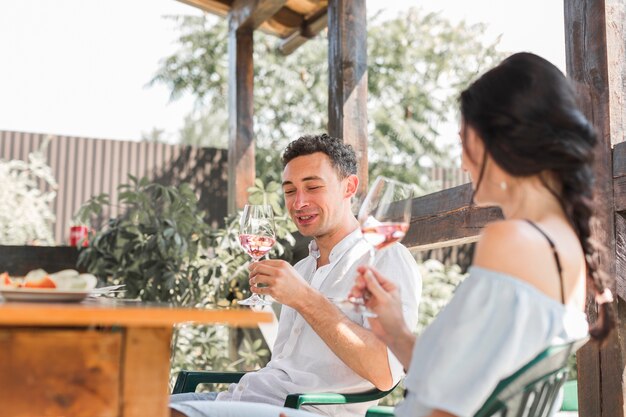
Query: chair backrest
[(534, 388)]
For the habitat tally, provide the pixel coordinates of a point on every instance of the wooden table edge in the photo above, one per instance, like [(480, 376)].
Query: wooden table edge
[(48, 314)]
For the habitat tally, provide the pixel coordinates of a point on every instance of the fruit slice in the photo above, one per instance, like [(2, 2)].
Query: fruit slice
[(5, 279), (44, 282)]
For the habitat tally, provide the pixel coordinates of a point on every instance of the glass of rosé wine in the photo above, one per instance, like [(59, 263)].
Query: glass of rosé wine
[(257, 236), (384, 216)]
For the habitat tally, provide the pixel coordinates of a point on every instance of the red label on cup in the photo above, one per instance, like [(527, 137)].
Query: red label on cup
[(78, 233)]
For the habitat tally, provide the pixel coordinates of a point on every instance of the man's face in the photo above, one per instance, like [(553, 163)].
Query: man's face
[(315, 196)]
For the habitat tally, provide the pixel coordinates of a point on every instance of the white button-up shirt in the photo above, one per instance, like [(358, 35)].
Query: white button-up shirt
[(301, 360)]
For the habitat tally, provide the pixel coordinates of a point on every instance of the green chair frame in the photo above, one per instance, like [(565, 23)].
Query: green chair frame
[(188, 381), (530, 392)]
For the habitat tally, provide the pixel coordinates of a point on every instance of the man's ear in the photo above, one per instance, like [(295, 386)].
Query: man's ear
[(352, 185)]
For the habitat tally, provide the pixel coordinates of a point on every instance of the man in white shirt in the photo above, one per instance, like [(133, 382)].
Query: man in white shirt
[(321, 347)]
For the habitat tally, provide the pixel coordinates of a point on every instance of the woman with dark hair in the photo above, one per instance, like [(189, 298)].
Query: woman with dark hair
[(529, 150)]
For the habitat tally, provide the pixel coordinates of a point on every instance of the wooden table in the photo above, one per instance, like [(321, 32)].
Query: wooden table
[(94, 359)]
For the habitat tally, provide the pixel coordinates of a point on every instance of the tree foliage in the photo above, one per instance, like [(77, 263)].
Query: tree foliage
[(417, 64)]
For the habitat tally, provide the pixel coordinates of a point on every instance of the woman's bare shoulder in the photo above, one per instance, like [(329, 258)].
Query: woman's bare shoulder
[(513, 248)]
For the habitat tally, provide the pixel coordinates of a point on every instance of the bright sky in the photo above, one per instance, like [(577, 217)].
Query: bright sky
[(81, 67)]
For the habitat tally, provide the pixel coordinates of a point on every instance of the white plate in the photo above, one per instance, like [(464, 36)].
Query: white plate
[(43, 295)]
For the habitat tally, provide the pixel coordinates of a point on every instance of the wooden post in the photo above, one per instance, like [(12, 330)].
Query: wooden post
[(244, 17), (240, 110), (594, 32), (347, 78)]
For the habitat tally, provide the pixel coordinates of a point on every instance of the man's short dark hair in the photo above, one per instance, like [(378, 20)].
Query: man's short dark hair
[(342, 156)]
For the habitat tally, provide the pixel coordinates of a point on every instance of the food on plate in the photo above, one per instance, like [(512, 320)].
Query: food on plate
[(43, 282), (65, 280), (70, 279)]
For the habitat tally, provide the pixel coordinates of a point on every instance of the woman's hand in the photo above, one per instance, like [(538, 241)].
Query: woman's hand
[(383, 298)]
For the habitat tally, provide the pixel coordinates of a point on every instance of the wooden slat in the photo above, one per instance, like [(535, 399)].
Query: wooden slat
[(311, 28), (347, 78), (217, 7), (619, 177), (593, 61), (241, 165), (146, 370), (446, 218), (60, 372), (250, 14), (304, 7), (619, 160)]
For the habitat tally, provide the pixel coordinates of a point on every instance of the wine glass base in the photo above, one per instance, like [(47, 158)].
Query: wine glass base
[(254, 300), (357, 303)]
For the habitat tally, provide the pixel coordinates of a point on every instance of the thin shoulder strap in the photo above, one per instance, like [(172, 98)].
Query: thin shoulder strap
[(556, 256)]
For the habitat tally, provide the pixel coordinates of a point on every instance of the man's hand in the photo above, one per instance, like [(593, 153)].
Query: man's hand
[(281, 281)]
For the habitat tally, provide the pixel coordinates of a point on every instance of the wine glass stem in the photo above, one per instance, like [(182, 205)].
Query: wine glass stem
[(370, 261), (256, 259)]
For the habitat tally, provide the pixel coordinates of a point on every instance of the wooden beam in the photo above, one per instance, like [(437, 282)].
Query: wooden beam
[(217, 7), (241, 166), (310, 28), (595, 60), (347, 78), (447, 218), (250, 14), (288, 18)]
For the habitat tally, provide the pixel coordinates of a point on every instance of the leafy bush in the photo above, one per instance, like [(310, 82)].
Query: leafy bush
[(154, 247), (25, 213), (438, 285), (162, 249)]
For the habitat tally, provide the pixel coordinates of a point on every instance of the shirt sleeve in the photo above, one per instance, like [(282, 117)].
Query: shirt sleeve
[(488, 330), (397, 264)]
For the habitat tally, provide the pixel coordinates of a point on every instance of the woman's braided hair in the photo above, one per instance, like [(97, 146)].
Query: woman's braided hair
[(525, 112)]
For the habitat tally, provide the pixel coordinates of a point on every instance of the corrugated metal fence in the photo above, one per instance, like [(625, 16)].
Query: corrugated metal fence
[(84, 167)]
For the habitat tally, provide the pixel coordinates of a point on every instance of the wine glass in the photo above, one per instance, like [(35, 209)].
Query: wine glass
[(257, 237), (384, 216)]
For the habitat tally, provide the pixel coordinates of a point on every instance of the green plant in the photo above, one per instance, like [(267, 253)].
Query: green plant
[(438, 285), (228, 263), (25, 213), (154, 246)]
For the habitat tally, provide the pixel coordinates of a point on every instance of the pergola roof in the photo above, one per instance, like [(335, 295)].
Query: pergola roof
[(295, 21)]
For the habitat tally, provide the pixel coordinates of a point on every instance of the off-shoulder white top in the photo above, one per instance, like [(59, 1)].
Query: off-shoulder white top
[(493, 325)]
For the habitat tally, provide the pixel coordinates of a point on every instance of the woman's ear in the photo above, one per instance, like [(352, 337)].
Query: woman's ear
[(473, 146), (352, 185)]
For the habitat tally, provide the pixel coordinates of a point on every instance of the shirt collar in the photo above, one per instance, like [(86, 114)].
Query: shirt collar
[(339, 249)]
